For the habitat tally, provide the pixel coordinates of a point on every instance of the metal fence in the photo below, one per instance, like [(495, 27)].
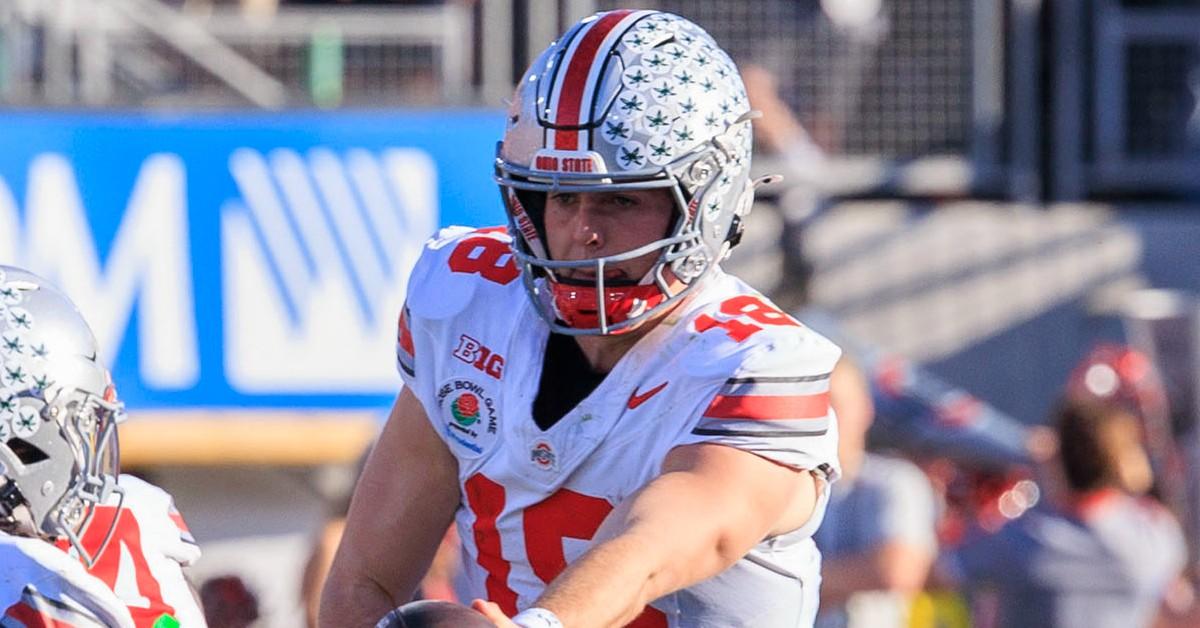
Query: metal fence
[(896, 83), (1145, 121), (144, 53), (909, 97), (888, 91), (1022, 99)]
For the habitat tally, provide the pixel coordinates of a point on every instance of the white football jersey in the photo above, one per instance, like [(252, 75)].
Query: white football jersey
[(726, 367), (40, 585), (144, 560)]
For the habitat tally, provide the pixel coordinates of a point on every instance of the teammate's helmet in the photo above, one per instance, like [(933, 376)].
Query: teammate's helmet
[(627, 100), (58, 414)]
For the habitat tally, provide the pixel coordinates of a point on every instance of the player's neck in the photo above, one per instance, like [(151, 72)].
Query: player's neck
[(603, 352)]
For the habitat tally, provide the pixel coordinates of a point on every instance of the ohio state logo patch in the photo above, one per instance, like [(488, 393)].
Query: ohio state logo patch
[(542, 456), (470, 421)]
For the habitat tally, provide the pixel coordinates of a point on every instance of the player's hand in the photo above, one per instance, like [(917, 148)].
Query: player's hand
[(492, 611)]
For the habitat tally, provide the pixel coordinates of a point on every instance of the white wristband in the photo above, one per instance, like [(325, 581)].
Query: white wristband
[(537, 618)]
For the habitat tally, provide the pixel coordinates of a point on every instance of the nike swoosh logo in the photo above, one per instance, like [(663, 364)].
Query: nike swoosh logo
[(636, 400)]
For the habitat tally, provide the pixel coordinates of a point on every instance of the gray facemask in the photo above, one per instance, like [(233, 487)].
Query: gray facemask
[(58, 416)]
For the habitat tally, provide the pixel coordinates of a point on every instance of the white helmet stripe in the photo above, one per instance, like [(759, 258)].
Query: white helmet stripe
[(574, 89)]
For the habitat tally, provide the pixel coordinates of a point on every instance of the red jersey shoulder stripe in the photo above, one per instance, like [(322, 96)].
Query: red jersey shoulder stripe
[(181, 525), (404, 335), (768, 408), (404, 344)]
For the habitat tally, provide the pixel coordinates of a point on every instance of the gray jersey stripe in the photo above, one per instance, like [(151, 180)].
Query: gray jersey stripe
[(701, 431), (808, 425), (762, 388), (408, 369), (778, 380)]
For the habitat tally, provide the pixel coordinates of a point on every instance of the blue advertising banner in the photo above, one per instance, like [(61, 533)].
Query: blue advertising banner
[(241, 260)]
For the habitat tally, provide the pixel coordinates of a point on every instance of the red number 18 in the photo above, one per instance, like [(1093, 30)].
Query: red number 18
[(484, 256), (565, 514), (747, 306)]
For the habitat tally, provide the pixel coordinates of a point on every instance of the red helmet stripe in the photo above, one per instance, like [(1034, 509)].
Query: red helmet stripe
[(575, 82)]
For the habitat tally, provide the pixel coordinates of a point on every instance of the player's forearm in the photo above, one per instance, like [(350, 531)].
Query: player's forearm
[(611, 584), (666, 539), (710, 506), (370, 577), (353, 601), (405, 500)]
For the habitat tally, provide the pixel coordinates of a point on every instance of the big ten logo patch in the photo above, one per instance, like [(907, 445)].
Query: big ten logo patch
[(473, 352)]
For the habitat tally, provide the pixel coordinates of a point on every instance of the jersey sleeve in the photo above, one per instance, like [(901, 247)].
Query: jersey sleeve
[(774, 399), (454, 266), (162, 525), (144, 561), (41, 585)]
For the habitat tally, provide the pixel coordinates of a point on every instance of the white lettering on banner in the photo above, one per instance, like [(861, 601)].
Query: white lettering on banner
[(148, 263), (316, 255)]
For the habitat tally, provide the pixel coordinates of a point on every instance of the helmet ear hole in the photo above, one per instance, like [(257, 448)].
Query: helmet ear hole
[(736, 228), (27, 452)]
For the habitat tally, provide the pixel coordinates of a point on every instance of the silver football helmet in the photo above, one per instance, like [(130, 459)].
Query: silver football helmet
[(627, 100), (58, 415)]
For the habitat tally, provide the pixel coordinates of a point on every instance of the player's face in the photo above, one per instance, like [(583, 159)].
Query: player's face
[(586, 225)]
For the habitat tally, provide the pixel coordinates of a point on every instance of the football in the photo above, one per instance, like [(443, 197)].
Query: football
[(434, 614)]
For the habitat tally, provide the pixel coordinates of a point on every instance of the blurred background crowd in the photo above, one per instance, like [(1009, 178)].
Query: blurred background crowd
[(992, 204)]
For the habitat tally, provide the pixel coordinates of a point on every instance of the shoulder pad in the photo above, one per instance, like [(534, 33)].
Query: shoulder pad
[(140, 494), (773, 349), (454, 264), (156, 514), (48, 584)]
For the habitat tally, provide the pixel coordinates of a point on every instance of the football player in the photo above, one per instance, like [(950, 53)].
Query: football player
[(623, 433), (80, 545)]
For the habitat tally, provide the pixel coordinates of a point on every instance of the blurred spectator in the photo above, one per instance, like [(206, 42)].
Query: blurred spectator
[(228, 603), (915, 411), (782, 147), (877, 540), (1097, 552)]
